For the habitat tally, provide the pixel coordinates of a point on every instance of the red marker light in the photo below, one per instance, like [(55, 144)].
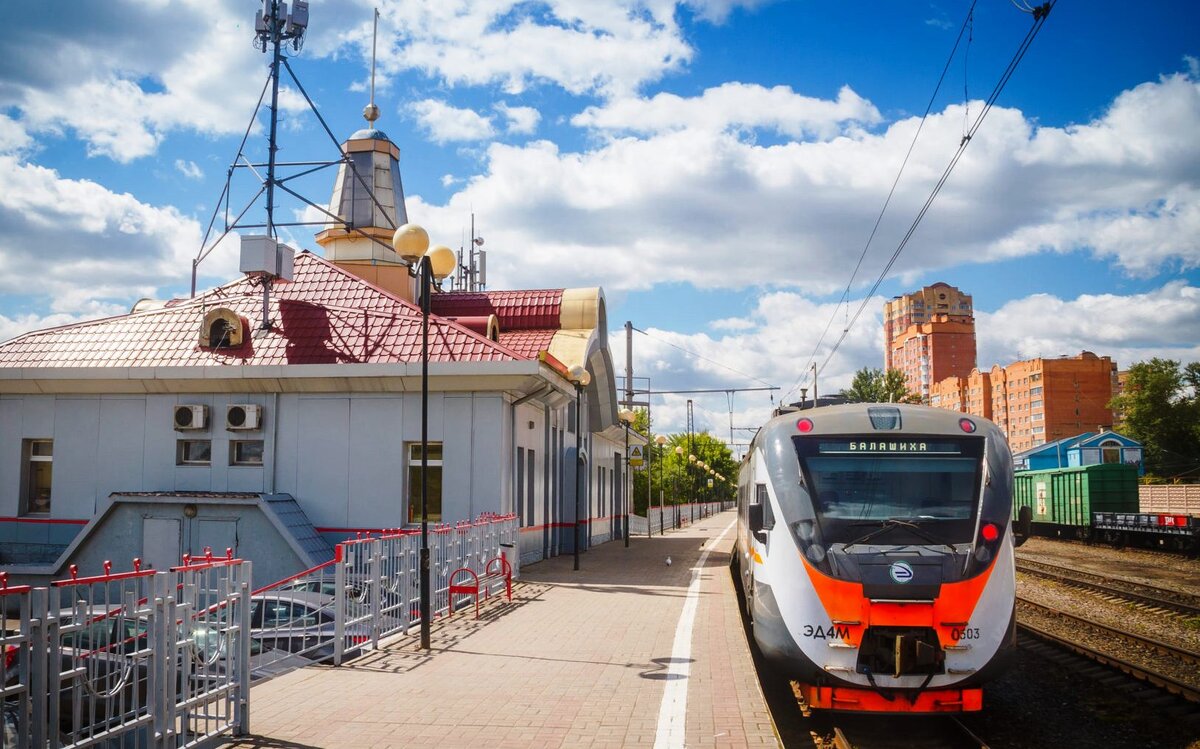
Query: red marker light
[(989, 532), (966, 425), (805, 425)]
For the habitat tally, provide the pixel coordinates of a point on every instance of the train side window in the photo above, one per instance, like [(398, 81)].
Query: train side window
[(760, 498)]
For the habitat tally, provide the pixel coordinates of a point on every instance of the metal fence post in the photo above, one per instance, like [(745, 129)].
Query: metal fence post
[(39, 664), (242, 718), (376, 591), (339, 601)]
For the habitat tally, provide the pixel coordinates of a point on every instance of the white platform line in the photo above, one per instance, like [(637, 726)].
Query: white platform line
[(672, 714)]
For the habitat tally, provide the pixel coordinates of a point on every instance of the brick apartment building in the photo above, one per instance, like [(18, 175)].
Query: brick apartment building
[(1035, 401), (929, 335)]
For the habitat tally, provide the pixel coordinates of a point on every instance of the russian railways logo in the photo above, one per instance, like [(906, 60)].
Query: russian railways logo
[(901, 572)]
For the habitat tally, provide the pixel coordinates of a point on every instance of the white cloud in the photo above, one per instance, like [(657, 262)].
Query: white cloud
[(13, 138), (734, 106), (775, 342), (717, 210), (88, 251), (1163, 322), (582, 47), (127, 83), (446, 123), (521, 120), (189, 169), (718, 10)]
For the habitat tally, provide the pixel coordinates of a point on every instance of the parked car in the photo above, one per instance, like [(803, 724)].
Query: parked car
[(302, 622)]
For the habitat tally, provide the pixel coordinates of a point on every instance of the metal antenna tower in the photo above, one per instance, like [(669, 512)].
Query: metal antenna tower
[(279, 29)]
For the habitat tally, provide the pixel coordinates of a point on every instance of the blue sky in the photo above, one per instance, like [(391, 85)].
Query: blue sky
[(715, 165)]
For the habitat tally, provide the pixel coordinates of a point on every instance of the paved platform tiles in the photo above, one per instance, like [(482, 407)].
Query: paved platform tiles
[(578, 659)]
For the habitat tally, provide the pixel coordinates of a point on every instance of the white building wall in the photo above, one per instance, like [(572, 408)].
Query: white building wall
[(342, 456)]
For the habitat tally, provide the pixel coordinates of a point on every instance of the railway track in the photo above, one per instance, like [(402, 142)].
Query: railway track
[(1143, 673), (1163, 599), (889, 732)]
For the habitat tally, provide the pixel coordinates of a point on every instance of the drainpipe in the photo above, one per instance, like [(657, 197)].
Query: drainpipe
[(270, 477)]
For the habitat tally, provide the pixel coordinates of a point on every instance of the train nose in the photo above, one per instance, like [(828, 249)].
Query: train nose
[(901, 651)]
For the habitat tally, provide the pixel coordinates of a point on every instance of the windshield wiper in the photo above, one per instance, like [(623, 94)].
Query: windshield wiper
[(892, 524)]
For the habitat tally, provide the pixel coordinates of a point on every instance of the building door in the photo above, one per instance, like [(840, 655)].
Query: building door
[(161, 543)]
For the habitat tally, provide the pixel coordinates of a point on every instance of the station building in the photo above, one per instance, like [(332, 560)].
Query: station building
[(203, 422)]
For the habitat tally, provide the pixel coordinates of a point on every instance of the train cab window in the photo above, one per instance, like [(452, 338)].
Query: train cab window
[(857, 482)]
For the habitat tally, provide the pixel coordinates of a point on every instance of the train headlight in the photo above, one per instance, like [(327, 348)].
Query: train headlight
[(816, 553), (966, 425), (990, 532), (804, 425)]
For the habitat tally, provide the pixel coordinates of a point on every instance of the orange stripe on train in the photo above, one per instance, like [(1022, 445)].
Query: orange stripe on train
[(849, 609)]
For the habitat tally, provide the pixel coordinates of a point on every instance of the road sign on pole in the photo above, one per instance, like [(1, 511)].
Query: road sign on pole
[(637, 455)]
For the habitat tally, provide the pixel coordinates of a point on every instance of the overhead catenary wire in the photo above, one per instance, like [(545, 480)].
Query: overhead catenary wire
[(1040, 13), (887, 201)]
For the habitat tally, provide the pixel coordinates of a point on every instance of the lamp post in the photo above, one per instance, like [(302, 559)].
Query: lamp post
[(679, 452), (412, 242), (692, 483), (627, 416), (580, 377), (661, 440)]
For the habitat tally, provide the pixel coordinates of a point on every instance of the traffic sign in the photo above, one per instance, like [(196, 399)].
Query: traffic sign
[(637, 455)]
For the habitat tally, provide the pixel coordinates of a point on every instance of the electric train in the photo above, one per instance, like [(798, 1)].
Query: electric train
[(875, 553)]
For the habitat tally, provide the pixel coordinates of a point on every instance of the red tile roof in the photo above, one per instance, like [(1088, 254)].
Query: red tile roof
[(324, 315), (527, 343), (517, 310)]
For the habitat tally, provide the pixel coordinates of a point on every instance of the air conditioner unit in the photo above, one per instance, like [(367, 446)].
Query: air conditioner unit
[(243, 416), (191, 417)]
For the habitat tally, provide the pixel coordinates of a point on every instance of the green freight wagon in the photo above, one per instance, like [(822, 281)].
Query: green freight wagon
[(1063, 499)]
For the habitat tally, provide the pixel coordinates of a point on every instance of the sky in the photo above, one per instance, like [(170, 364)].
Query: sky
[(719, 167)]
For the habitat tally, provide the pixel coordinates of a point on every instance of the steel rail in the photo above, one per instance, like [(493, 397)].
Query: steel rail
[(1155, 596), (1142, 673)]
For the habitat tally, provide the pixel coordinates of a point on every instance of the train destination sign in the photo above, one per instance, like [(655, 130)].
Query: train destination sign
[(888, 447)]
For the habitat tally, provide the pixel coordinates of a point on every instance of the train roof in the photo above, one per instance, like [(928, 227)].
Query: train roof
[(880, 418)]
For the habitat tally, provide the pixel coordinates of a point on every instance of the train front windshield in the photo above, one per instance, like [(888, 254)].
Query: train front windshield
[(859, 483)]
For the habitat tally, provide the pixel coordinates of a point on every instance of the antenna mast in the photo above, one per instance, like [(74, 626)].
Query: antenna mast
[(371, 112)]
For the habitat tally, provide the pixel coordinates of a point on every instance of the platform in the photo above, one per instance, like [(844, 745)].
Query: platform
[(628, 651)]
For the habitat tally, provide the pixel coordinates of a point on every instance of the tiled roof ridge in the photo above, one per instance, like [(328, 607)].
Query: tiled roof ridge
[(314, 269)]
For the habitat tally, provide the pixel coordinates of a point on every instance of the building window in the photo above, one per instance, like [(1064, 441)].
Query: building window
[(37, 458), (246, 453), (434, 462), (1036, 390), (193, 452), (1038, 430)]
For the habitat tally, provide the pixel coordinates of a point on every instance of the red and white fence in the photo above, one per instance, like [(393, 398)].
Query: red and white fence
[(166, 659), (136, 658)]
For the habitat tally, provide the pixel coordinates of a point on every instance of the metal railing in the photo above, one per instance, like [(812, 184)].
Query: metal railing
[(673, 516), (369, 591), (165, 659), (135, 659)]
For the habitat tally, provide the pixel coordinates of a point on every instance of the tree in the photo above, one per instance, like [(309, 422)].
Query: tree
[(876, 386), (675, 479), (1160, 407)]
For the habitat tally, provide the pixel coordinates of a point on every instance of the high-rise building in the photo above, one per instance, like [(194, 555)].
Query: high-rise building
[(1038, 400), (929, 335)]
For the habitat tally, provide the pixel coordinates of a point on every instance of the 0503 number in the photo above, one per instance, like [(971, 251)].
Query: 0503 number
[(965, 633)]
